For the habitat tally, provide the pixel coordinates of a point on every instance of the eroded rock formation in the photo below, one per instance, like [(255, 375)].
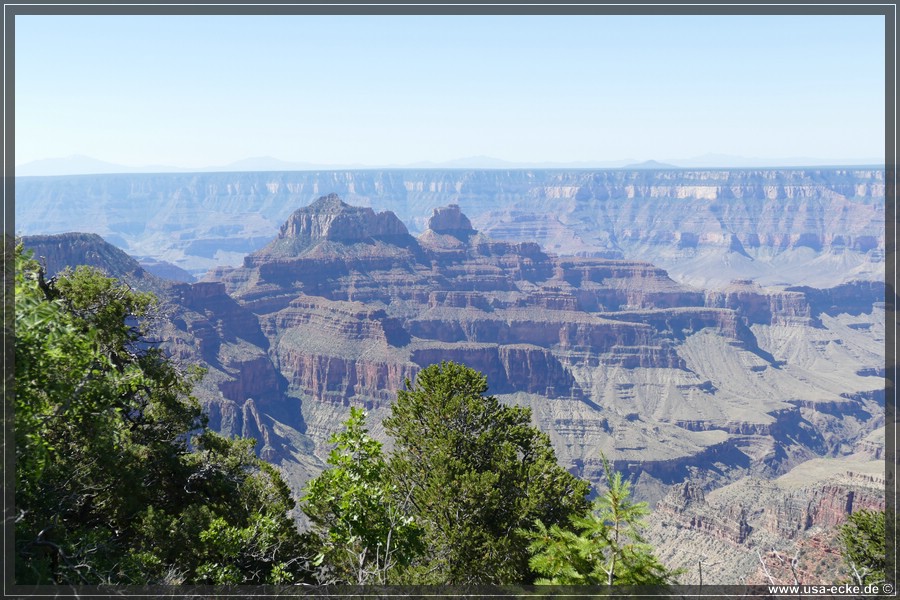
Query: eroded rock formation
[(812, 226), (612, 355), (354, 305), (750, 530)]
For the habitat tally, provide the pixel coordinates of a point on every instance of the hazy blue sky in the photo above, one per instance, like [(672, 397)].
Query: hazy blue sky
[(197, 91)]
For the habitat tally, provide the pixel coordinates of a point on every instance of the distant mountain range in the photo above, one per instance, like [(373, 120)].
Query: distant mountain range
[(85, 165)]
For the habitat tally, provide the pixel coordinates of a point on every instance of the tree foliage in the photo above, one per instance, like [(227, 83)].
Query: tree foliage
[(862, 540), (474, 472), (118, 479), (364, 535), (602, 547)]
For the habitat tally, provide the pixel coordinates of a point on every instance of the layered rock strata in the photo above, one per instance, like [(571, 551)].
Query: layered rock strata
[(355, 306), (663, 378), (739, 528), (813, 226)]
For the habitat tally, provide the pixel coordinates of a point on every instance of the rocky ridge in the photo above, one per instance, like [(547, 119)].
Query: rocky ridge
[(58, 252)]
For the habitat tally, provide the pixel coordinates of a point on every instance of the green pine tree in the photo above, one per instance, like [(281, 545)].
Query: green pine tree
[(602, 547), (474, 472), (862, 540)]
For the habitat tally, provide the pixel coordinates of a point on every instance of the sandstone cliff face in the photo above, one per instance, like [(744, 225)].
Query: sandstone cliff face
[(509, 310), (509, 367), (686, 507), (825, 507), (738, 527), (760, 306), (612, 355), (786, 514), (798, 305)]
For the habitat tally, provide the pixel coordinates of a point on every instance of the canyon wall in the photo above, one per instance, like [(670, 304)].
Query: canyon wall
[(815, 226)]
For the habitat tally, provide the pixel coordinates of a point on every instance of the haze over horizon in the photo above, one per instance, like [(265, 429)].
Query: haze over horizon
[(206, 92), (85, 165)]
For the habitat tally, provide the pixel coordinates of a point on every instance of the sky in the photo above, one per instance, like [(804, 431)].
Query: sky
[(195, 91)]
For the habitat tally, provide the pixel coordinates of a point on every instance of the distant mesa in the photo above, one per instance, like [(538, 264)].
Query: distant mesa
[(328, 221), (330, 218)]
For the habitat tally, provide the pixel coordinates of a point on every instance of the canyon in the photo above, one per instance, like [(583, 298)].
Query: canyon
[(736, 529), (804, 226), (741, 391)]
